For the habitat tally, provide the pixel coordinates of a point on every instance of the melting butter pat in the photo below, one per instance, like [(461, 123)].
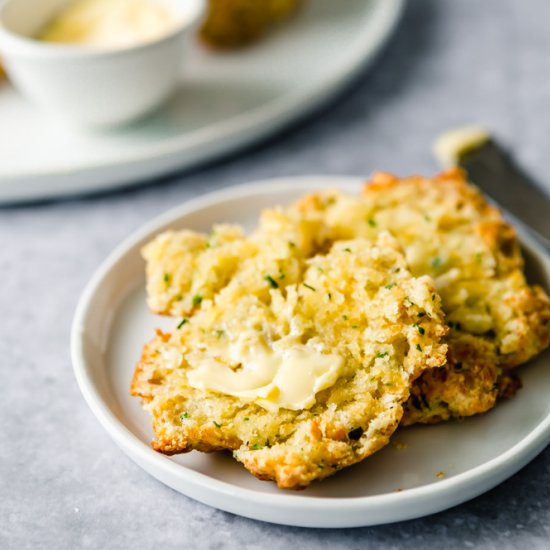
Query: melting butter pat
[(284, 375), (108, 23)]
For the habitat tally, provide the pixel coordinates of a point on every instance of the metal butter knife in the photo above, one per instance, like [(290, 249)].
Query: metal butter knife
[(490, 168)]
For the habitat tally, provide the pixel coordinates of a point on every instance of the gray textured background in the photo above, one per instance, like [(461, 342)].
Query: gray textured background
[(63, 482)]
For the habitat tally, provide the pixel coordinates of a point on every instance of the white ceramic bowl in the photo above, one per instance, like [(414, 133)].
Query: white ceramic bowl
[(85, 85)]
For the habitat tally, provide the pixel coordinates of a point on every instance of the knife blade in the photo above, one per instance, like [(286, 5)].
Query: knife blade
[(494, 171)]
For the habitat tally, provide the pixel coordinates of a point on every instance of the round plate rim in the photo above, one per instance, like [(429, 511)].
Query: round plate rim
[(215, 140), (463, 486)]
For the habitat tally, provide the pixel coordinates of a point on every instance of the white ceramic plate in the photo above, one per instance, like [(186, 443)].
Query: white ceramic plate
[(225, 102), (112, 323)]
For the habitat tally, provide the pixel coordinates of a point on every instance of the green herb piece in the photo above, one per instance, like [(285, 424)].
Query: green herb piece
[(220, 333), (183, 416), (381, 355), (420, 329), (347, 249), (291, 244), (436, 262), (390, 286), (281, 275), (216, 424), (354, 326), (329, 294), (183, 322), (418, 347), (256, 447), (310, 287), (421, 314), (320, 269), (197, 299), (272, 282), (246, 418), (167, 279), (371, 222), (345, 317)]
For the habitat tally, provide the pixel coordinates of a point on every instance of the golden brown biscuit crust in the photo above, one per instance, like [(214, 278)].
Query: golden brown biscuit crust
[(236, 23), (353, 300), (450, 232)]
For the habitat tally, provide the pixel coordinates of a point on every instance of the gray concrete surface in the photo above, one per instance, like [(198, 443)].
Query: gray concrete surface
[(64, 483)]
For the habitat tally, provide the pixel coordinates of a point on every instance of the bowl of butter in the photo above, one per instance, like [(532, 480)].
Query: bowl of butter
[(96, 63)]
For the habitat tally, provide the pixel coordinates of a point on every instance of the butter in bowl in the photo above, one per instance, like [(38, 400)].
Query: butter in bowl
[(96, 63)]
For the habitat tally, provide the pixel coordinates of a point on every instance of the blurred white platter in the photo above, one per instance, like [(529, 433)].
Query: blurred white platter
[(225, 102), (431, 468)]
